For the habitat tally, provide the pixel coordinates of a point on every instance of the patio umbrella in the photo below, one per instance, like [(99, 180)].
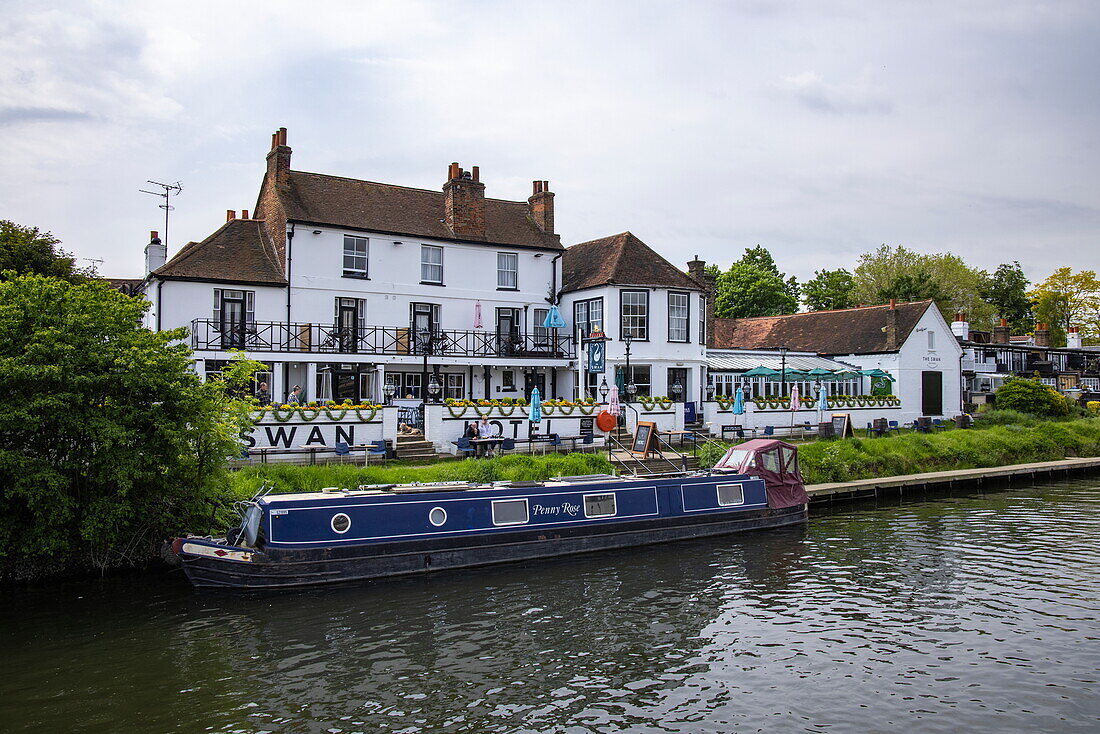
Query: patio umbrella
[(796, 404), (739, 401), (789, 374), (761, 372), (553, 319), (478, 323), (535, 414), (613, 406), (820, 372), (822, 400)]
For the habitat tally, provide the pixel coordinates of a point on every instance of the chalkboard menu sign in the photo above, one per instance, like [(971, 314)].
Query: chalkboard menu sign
[(644, 438), (587, 425), (842, 425)]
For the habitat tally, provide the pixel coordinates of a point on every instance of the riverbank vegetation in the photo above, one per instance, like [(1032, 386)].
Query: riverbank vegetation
[(514, 467), (999, 438), (109, 441)]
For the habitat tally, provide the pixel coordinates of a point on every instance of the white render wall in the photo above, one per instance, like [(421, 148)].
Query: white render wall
[(469, 274), (915, 357)]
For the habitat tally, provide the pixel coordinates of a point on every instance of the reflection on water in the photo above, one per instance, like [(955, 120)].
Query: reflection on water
[(976, 612)]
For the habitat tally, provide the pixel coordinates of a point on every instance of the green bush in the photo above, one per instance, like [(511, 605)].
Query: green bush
[(109, 441), (1031, 396), (514, 467)]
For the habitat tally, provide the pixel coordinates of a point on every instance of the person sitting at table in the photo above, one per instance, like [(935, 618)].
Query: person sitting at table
[(485, 430), (471, 430)]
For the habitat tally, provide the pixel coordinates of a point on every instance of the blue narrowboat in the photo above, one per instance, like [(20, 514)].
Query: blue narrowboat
[(288, 540)]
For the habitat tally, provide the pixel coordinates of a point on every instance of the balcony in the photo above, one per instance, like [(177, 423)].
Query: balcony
[(277, 336), (974, 365)]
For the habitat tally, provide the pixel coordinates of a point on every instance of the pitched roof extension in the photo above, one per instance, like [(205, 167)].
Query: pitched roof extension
[(347, 202), (620, 259), (860, 330), (238, 252)]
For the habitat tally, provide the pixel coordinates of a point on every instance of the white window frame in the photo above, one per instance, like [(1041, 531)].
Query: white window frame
[(718, 494), (684, 320), (637, 324), (425, 264), (614, 502), (503, 271), (355, 242), (526, 512)]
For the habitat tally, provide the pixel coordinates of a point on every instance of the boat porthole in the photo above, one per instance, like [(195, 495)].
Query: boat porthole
[(341, 523), (437, 516)]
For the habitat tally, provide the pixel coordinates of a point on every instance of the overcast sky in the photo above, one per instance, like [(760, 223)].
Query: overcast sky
[(819, 129)]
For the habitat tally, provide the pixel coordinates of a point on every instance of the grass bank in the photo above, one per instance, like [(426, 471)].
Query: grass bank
[(1001, 440), (514, 467)]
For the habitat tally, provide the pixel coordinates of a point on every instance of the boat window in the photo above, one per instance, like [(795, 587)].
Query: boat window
[(341, 523), (736, 458), (509, 512), (599, 505), (437, 516), (730, 494), (769, 460), (788, 459)]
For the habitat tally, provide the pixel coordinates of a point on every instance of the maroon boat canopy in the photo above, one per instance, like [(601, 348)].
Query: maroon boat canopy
[(776, 462)]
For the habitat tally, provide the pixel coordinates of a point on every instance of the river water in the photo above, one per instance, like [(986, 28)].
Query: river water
[(965, 613)]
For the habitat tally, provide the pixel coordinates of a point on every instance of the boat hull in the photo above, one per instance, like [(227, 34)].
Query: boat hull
[(287, 568)]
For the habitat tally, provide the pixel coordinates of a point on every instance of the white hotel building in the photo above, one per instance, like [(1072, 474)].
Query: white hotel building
[(342, 286)]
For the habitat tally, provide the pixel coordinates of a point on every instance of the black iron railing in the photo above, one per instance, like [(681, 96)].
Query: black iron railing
[(278, 336)]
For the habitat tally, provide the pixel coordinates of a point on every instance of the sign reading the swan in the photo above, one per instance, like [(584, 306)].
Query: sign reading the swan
[(596, 355)]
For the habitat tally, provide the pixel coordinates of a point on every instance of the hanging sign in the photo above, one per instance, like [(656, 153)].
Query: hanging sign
[(596, 353)]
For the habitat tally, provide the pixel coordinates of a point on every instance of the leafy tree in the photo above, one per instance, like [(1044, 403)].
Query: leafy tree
[(109, 442), (917, 287), (828, 290), (1006, 291), (27, 251), (1031, 396), (1069, 299), (904, 272), (753, 286)]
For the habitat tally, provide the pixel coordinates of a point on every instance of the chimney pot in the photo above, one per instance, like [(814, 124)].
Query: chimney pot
[(230, 215), (453, 172), (154, 235), (282, 136), (476, 172), (244, 214)]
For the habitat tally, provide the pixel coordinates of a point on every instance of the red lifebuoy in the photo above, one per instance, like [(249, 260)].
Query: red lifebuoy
[(606, 422)]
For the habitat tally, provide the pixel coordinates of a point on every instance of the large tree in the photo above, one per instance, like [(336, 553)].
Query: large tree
[(1069, 299), (898, 272), (29, 251), (109, 442), (754, 286), (1006, 291), (828, 290)]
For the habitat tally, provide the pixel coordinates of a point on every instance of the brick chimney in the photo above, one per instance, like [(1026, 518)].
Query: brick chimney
[(156, 253), (892, 326), (960, 327), (697, 269), (1073, 337), (541, 206), (464, 203), (1042, 335), (1002, 332), (269, 205), (230, 215)]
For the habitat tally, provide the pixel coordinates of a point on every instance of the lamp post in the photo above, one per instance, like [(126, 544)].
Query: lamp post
[(783, 371), (710, 390), (677, 391), (604, 389), (426, 337), (627, 338)]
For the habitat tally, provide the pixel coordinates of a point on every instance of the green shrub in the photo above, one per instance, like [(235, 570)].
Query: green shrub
[(1031, 396)]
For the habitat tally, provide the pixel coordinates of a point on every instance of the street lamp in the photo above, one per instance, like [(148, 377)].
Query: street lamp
[(630, 387), (710, 391), (604, 389), (783, 370), (434, 388), (677, 391)]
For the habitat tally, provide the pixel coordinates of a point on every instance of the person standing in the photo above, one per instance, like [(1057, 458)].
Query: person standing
[(263, 394), (295, 396)]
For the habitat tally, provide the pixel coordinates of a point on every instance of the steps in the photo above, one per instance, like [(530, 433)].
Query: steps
[(414, 448)]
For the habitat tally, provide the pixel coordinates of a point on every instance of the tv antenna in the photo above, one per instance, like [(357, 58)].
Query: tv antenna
[(168, 190)]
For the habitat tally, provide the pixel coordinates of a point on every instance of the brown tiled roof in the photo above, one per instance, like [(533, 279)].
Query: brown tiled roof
[(620, 259), (129, 286), (238, 252), (347, 202), (847, 331)]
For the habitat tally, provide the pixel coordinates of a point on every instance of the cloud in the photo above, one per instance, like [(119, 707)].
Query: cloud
[(15, 115), (849, 99)]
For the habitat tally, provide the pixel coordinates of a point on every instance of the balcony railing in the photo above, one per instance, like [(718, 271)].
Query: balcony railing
[(277, 336)]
